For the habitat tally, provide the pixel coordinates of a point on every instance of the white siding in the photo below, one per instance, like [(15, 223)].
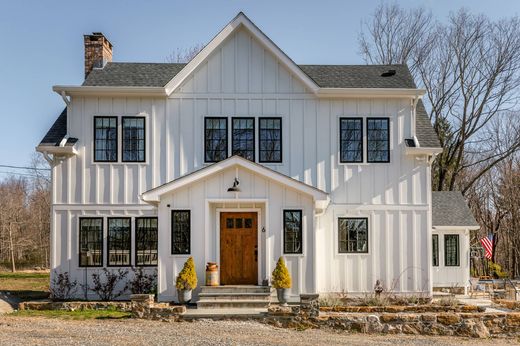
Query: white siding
[(242, 78), (451, 277)]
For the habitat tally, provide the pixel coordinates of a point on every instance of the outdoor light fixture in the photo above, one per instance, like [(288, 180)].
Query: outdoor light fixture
[(235, 187)]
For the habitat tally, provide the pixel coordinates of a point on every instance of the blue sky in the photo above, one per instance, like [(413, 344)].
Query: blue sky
[(42, 43)]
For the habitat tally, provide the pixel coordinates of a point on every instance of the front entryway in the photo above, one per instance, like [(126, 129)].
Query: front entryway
[(239, 248)]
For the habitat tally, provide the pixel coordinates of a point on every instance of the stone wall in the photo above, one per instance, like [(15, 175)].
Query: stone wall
[(476, 324)]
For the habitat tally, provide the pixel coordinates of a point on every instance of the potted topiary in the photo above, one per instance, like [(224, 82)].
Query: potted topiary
[(186, 281), (281, 280)]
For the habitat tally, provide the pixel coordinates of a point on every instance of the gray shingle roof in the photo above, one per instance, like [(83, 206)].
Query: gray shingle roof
[(326, 76), (449, 208), (133, 74), (359, 76), (423, 128), (57, 131)]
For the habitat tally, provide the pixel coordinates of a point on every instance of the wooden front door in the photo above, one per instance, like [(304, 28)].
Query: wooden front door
[(238, 248)]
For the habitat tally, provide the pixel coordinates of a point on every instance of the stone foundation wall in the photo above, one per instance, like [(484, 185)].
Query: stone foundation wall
[(477, 324), (75, 306)]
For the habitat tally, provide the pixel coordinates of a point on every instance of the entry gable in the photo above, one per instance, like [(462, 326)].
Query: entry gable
[(153, 196), (241, 21)]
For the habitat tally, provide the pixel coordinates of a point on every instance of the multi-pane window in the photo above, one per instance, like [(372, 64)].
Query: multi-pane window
[(146, 241), (181, 228), (353, 235), (133, 139), (105, 139), (215, 139), (451, 250), (292, 231), (351, 139), (243, 137), (378, 140), (119, 241), (435, 248), (270, 141), (91, 242)]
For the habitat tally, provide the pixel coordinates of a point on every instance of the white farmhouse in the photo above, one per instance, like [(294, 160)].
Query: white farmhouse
[(242, 156)]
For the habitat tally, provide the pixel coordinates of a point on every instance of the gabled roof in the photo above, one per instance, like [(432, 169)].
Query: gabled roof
[(128, 74), (240, 21), (57, 131), (153, 196), (449, 208)]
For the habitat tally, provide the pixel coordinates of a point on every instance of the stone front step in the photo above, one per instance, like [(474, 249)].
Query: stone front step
[(218, 297), (235, 289), (236, 303), (235, 296)]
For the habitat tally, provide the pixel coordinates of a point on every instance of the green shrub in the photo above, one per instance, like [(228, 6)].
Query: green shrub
[(187, 279), (281, 277), (496, 268)]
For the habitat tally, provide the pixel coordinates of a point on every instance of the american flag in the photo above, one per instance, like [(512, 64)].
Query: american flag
[(487, 243)]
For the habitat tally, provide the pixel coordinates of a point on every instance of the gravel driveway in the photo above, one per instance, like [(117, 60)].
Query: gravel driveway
[(46, 331)]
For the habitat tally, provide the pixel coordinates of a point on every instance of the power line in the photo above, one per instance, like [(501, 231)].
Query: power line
[(21, 167), (24, 174)]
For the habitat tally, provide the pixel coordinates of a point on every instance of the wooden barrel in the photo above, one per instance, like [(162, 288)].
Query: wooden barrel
[(211, 274)]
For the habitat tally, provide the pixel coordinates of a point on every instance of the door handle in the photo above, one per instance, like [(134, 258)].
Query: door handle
[(256, 253)]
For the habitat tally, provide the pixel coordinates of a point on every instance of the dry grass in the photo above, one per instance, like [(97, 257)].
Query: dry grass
[(25, 285)]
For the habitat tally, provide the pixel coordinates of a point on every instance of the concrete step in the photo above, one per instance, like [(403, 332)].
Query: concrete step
[(235, 303), (235, 289), (264, 296)]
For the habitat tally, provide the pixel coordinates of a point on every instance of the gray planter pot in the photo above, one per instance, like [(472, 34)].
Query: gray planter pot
[(184, 296), (283, 295)]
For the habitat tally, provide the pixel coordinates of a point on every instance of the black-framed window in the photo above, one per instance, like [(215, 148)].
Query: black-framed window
[(243, 137), (378, 140), (451, 250), (91, 242), (292, 232), (146, 241), (134, 141), (181, 229), (270, 139), (215, 139), (119, 241), (351, 139), (105, 139), (353, 235), (435, 250)]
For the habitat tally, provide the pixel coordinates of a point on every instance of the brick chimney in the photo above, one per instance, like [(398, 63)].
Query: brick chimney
[(98, 51)]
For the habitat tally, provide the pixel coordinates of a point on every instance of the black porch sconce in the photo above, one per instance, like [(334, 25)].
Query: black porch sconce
[(235, 187)]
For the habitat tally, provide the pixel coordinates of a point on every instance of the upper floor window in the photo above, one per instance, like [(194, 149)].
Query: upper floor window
[(292, 231), (243, 137), (91, 242), (133, 139), (215, 139), (146, 241), (105, 139), (181, 229), (270, 141), (378, 140), (435, 248), (353, 235), (351, 139), (119, 241), (451, 250)]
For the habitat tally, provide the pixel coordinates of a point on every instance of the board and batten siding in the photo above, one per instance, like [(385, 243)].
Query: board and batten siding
[(205, 198), (242, 78)]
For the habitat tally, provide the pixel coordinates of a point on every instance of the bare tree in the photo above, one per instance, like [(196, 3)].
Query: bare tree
[(184, 55), (470, 68)]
